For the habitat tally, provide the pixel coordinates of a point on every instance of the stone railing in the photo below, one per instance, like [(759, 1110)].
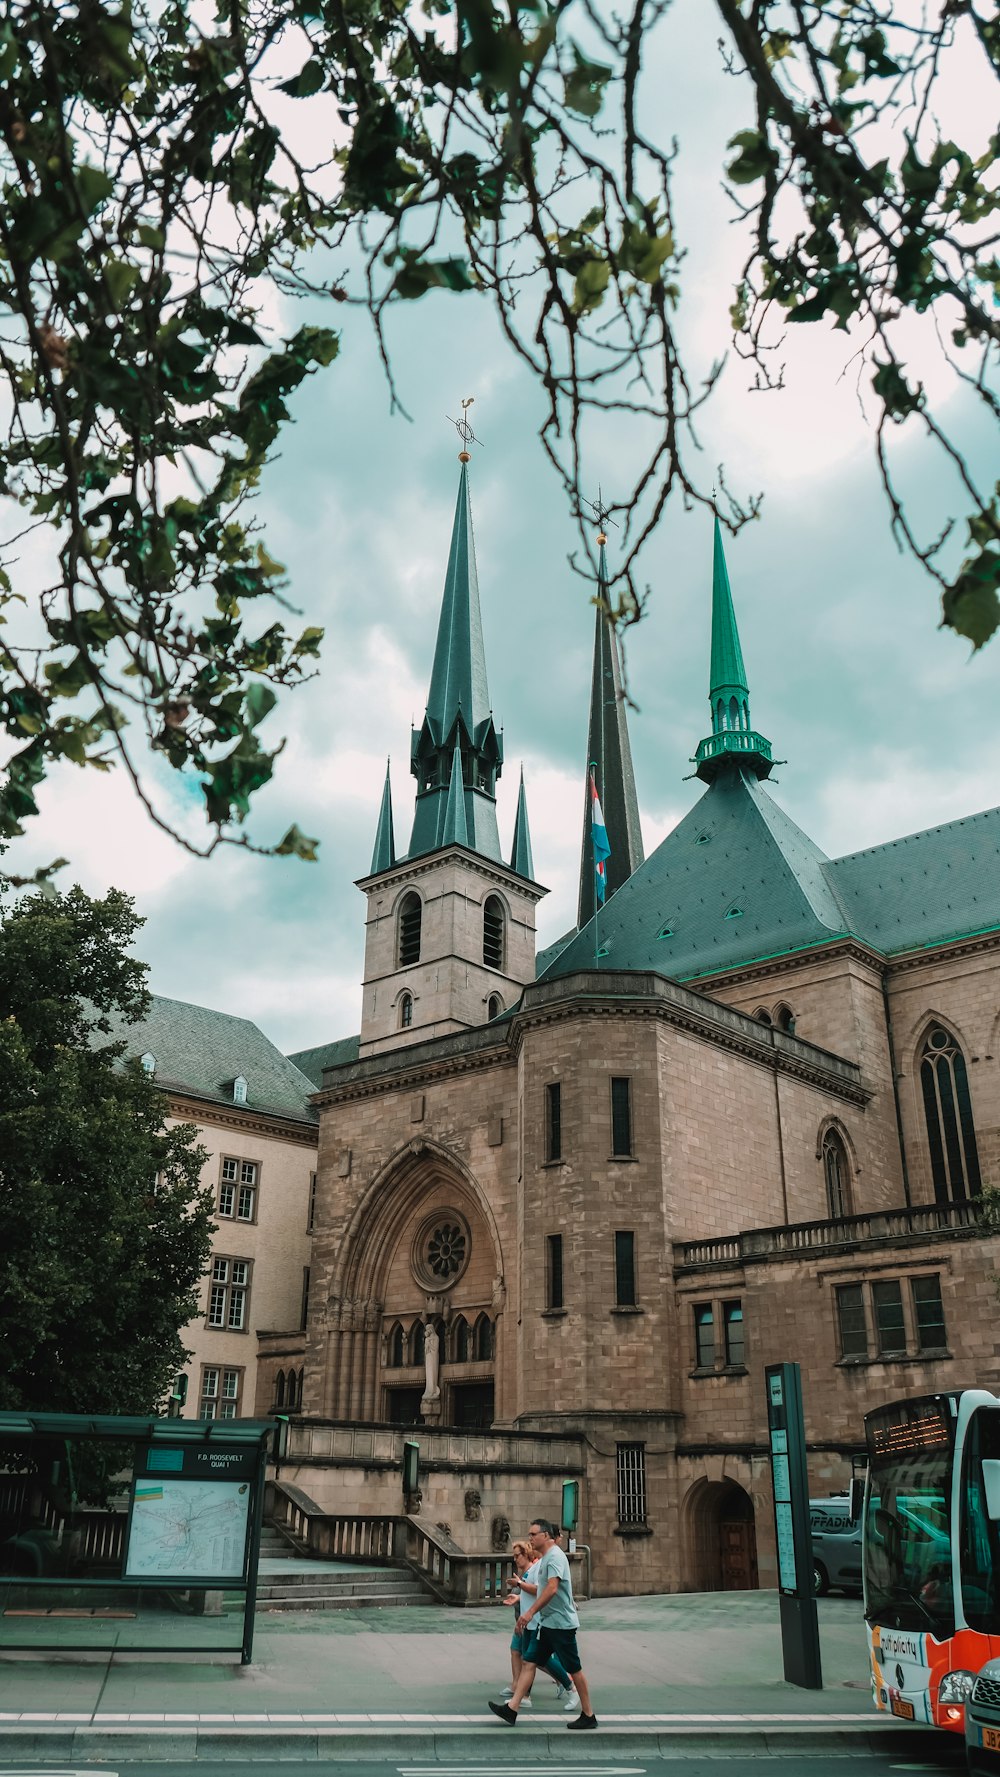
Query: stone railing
[(451, 1574), (336, 1444), (335, 1536), (922, 1221)]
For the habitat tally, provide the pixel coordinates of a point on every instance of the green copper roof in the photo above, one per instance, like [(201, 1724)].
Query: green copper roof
[(733, 740), (458, 677), (609, 750), (458, 713), (312, 1062), (455, 830), (520, 856), (384, 854), (925, 889)]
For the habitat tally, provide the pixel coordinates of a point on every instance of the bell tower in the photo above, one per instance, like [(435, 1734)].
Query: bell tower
[(450, 932)]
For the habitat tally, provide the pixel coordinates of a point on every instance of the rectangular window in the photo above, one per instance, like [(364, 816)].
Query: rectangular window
[(221, 1392), (631, 1473), (851, 1322), (625, 1268), (311, 1221), (553, 1271), (238, 1189), (928, 1314), (621, 1118), (304, 1322), (704, 1336), (887, 1300), (553, 1121), (229, 1294), (732, 1326)]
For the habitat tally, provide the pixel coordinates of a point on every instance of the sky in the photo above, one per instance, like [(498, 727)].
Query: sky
[(886, 723)]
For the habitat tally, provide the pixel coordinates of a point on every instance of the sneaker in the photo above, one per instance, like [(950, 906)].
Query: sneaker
[(572, 1702), (582, 1721), (525, 1702), (509, 1716), (508, 1691)]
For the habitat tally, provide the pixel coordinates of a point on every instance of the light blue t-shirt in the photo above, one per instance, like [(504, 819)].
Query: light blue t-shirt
[(560, 1611)]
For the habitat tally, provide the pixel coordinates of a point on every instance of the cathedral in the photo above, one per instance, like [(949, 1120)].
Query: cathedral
[(550, 1213)]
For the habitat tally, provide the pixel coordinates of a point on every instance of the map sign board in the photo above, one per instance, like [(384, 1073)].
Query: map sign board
[(181, 1529)]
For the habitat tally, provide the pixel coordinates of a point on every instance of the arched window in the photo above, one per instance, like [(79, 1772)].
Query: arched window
[(417, 1343), (720, 716), (784, 1019), (394, 1355), (460, 1340), (951, 1134), (734, 713), (406, 1011), (408, 945), (494, 1006), (279, 1389), (762, 1016), (836, 1172), (300, 1378), (484, 1338), (493, 933)]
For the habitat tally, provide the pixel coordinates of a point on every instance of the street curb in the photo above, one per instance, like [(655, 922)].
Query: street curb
[(437, 1745)]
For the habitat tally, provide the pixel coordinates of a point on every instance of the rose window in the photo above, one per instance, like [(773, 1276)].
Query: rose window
[(446, 1249)]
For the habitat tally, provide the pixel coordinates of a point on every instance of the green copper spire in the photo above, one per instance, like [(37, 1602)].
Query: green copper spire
[(608, 749), (384, 855), (458, 711), (732, 740), (520, 856), (455, 830)]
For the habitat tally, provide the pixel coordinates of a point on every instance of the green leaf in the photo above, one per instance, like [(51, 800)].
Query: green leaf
[(971, 606), (591, 283), (583, 86), (150, 237), (259, 700), (307, 81), (308, 642), (756, 157), (119, 276), (296, 844), (93, 187), (893, 389)]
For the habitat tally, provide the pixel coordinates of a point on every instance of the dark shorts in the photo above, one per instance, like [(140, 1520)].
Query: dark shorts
[(562, 1643)]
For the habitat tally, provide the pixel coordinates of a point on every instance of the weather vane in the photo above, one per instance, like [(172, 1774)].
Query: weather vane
[(602, 516), (464, 430)]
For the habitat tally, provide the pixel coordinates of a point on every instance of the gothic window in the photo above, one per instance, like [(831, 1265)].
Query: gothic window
[(951, 1134), (395, 1353), (836, 1172), (784, 1019), (484, 1338), (460, 1340), (734, 713), (406, 1011), (417, 1343), (493, 933), (279, 1389), (494, 1006), (761, 1016), (410, 916)]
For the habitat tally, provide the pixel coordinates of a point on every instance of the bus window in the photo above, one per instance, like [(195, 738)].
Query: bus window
[(979, 1549)]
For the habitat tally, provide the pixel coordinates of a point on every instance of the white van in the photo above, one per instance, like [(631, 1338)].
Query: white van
[(836, 1546)]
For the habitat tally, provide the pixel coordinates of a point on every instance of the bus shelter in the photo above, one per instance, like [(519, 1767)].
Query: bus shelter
[(130, 1534)]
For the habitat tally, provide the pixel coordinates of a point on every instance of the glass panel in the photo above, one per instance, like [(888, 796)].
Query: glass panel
[(887, 1299), (928, 1313), (625, 1269), (555, 1272), (217, 1306), (851, 1321), (732, 1320), (553, 1122), (229, 1169), (226, 1200), (704, 1333), (979, 1550), (237, 1308), (246, 1207), (933, 1121), (621, 1118), (907, 1544), (248, 1173)]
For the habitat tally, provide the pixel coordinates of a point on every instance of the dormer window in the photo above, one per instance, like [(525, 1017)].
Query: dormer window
[(148, 1064), (239, 1090)]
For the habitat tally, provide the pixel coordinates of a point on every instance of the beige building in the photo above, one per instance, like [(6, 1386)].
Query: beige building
[(569, 1206)]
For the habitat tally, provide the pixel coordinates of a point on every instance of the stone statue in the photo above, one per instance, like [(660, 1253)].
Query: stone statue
[(432, 1357), (473, 1504), (501, 1534)]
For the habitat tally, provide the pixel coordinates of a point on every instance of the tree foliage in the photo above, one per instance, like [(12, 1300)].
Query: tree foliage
[(104, 1227), (165, 197)]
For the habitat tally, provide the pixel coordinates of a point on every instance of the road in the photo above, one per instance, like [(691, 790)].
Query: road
[(811, 1764)]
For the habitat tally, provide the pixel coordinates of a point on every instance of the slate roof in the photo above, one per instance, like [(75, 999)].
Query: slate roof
[(202, 1051), (737, 881), (312, 1061)]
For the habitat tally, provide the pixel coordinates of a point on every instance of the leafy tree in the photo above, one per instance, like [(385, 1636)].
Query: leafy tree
[(161, 191), (104, 1227)]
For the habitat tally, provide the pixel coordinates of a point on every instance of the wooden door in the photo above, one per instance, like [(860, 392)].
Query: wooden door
[(738, 1547)]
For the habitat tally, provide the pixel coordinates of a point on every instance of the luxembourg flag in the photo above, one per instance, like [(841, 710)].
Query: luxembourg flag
[(599, 837)]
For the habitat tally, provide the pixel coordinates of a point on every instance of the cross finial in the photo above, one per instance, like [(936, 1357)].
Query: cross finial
[(464, 430), (602, 516)]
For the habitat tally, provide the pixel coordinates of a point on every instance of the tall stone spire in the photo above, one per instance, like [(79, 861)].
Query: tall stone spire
[(609, 750), (384, 854), (458, 708), (520, 855), (732, 742), (455, 829)]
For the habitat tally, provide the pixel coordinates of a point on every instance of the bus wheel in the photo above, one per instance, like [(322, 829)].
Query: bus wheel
[(821, 1584)]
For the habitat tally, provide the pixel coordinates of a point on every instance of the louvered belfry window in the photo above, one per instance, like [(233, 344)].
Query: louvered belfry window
[(493, 933), (410, 916), (951, 1134)]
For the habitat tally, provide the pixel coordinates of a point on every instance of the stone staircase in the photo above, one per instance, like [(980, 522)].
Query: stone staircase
[(289, 1580)]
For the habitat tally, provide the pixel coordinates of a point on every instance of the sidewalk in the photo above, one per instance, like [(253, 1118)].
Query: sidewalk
[(662, 1670)]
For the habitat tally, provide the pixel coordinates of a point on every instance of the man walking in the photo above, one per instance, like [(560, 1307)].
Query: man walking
[(557, 1624)]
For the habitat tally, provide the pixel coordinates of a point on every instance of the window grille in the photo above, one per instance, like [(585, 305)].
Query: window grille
[(553, 1121), (410, 917), (554, 1271), (928, 1313), (238, 1189), (887, 1300), (851, 1320), (220, 1393), (229, 1294), (625, 1268), (951, 1133), (621, 1117), (631, 1472), (493, 933), (704, 1336), (732, 1326), (835, 1172)]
